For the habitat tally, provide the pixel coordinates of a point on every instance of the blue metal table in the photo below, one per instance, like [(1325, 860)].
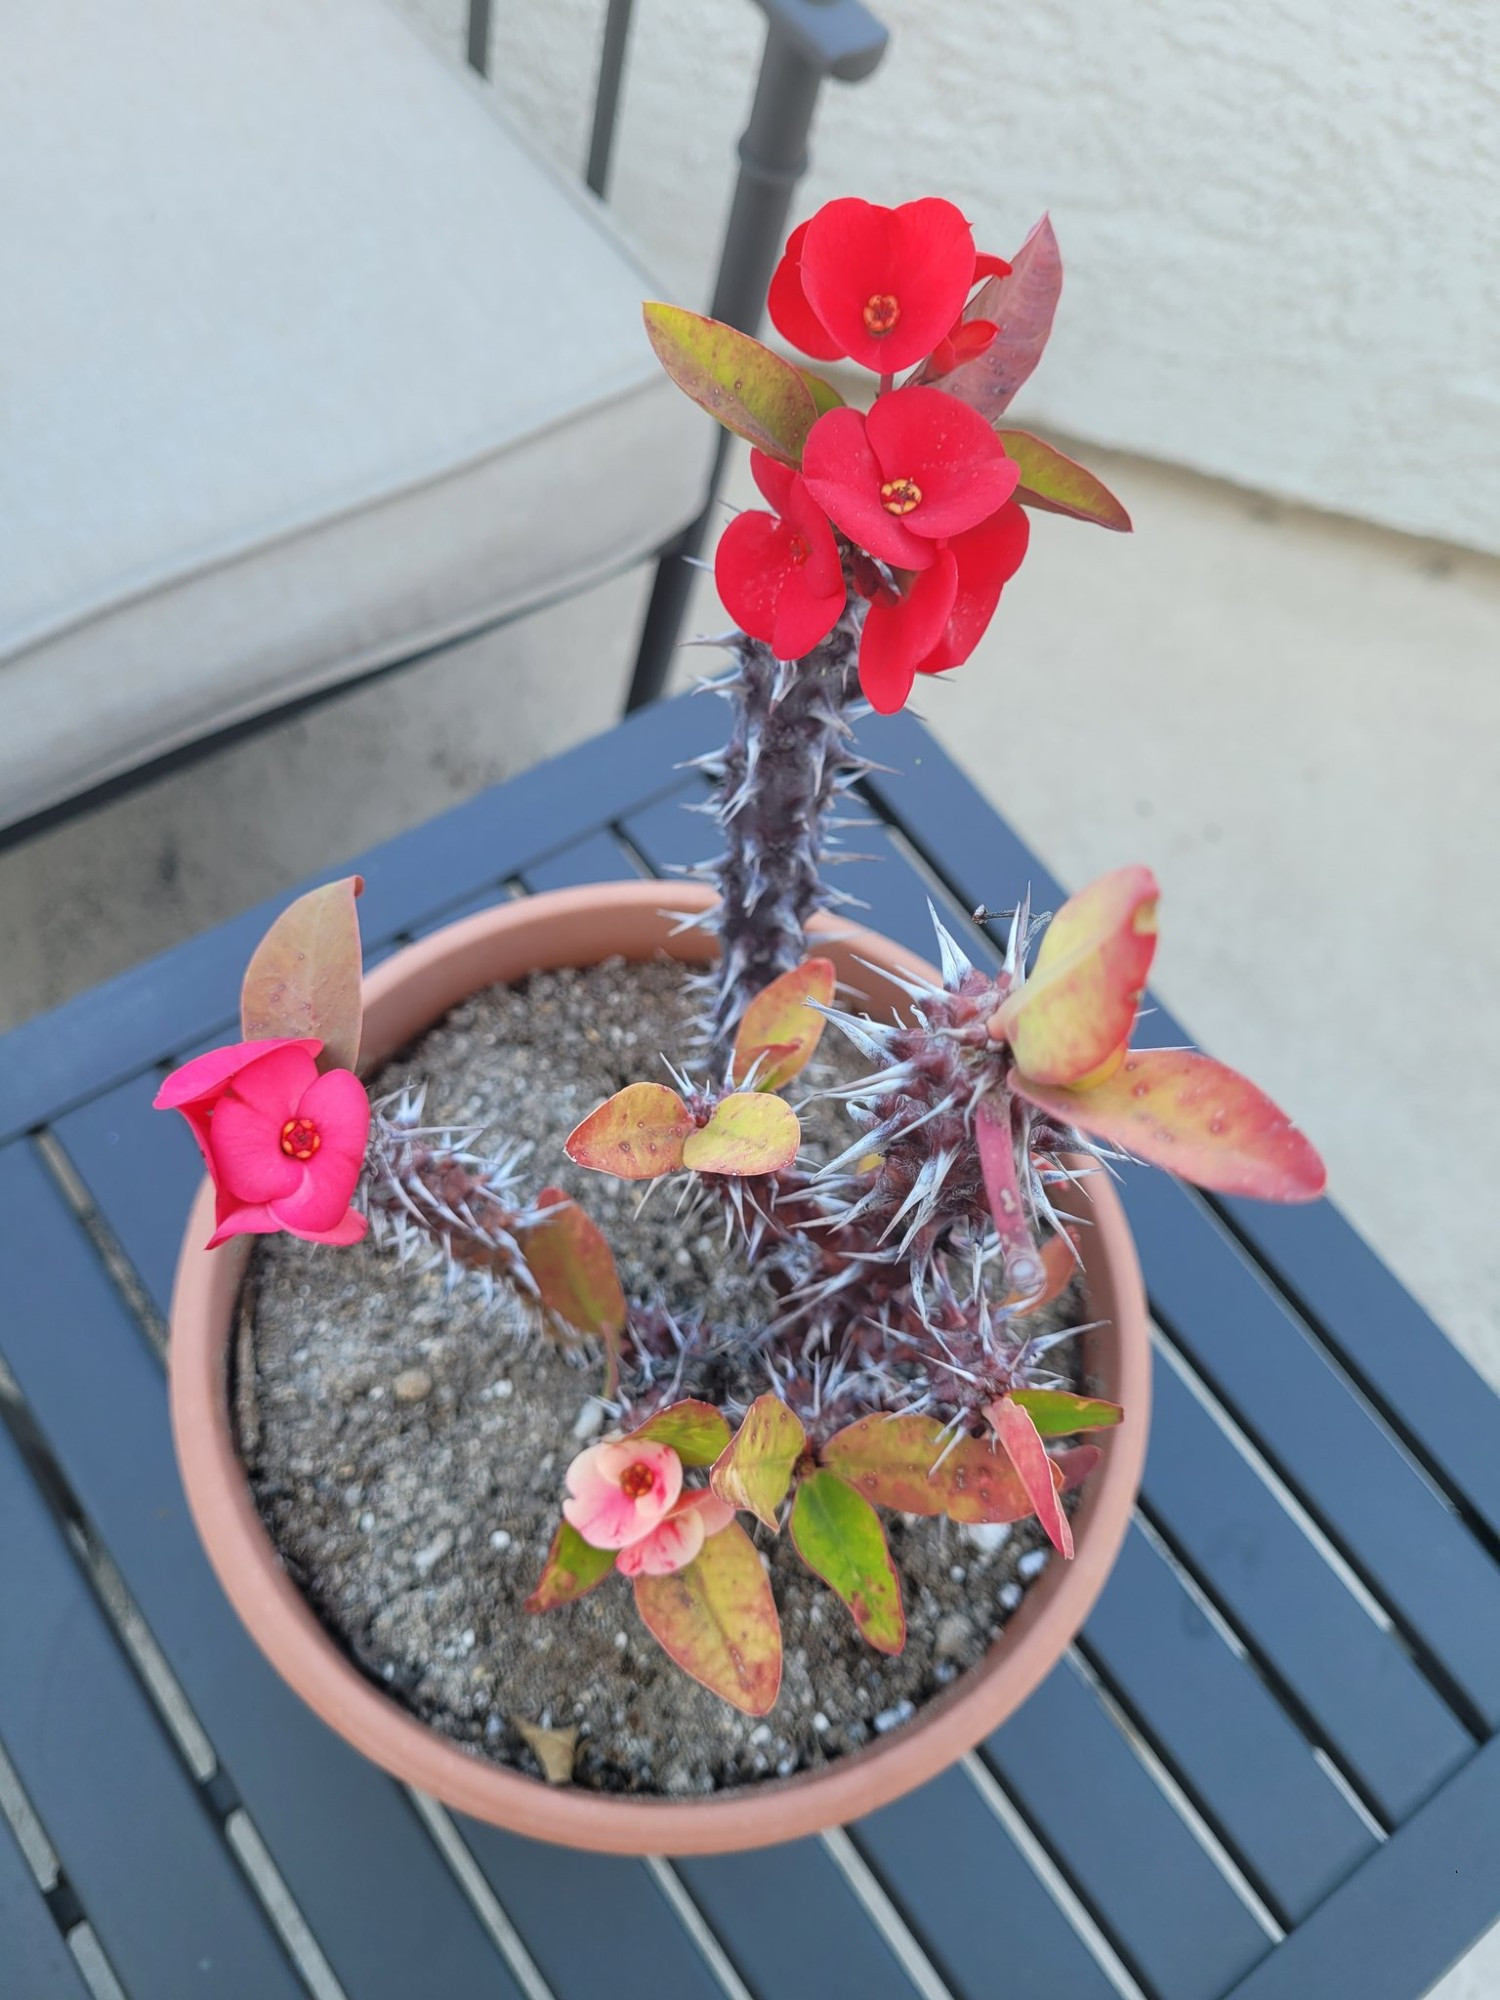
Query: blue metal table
[(1267, 1769)]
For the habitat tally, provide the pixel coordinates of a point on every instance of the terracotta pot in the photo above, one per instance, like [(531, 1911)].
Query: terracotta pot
[(404, 996)]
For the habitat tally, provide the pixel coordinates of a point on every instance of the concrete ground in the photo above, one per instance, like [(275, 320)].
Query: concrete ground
[(1293, 719)]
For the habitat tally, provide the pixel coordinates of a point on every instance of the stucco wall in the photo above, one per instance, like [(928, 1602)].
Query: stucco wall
[(1281, 222)]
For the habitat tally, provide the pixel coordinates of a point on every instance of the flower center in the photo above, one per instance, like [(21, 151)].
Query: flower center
[(881, 313), (637, 1480), (798, 550), (899, 496), (299, 1138)]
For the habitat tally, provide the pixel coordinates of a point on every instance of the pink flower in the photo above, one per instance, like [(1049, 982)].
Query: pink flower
[(779, 574), (918, 468), (678, 1539), (620, 1492), (283, 1144)]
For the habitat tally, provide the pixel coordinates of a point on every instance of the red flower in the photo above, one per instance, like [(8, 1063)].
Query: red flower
[(987, 558), (883, 284), (900, 631), (786, 302), (920, 467), (780, 578), (284, 1145)]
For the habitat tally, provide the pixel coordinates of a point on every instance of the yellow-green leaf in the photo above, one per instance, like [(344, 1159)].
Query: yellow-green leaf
[(304, 976), (636, 1135), (750, 390), (756, 1468), (696, 1431), (749, 1133), (572, 1568), (1057, 484), (717, 1619), (782, 1027), (824, 395), (1059, 1413), (839, 1536)]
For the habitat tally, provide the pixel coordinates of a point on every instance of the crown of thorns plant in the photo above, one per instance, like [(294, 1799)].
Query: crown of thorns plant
[(903, 1363)]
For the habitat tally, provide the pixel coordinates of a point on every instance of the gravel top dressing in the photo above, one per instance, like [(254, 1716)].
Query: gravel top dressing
[(406, 1445)]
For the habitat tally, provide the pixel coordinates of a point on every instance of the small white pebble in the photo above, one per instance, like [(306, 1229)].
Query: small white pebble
[(989, 1537), (892, 1718), (958, 1572), (1032, 1563), (367, 1521), (590, 1420), (412, 1385), (820, 1722), (501, 1389), (944, 1672), (493, 1726), (426, 1560), (1010, 1596), (761, 1734), (621, 1642), (683, 1257), (500, 1539), (388, 1672), (786, 1767), (467, 1640)]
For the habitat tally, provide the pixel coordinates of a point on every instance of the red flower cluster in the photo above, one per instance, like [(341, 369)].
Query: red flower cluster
[(283, 1144), (920, 487)]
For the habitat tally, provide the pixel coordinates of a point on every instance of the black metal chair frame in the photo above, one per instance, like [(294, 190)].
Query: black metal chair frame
[(806, 42)]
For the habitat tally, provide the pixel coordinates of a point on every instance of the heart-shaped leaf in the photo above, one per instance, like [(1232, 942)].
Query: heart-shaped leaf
[(636, 1135), (747, 387), (839, 1536), (749, 1133), (1197, 1118), (781, 1027), (717, 1619), (304, 976), (572, 1568), (1022, 305), (1069, 1021), (574, 1268), (1023, 1446), (697, 1432), (756, 1469), (1059, 1413), (1057, 484)]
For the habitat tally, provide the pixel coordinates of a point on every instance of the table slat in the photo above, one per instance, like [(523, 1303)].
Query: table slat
[(1228, 1742), (1378, 1714), (170, 1908), (972, 1899), (33, 1957), (1169, 1912), (382, 1903), (597, 858), (1410, 1547)]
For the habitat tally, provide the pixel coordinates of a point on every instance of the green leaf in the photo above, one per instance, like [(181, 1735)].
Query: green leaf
[(1056, 1413), (696, 1431), (635, 1135), (1023, 1446), (824, 395), (575, 1273), (572, 1568), (750, 390), (781, 1026), (717, 1619), (1058, 484), (839, 1536), (748, 1134), (304, 977), (756, 1469)]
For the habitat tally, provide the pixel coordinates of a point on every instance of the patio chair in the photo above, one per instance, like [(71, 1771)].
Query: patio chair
[(309, 366)]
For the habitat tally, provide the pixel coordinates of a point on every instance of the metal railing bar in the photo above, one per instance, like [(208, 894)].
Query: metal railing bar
[(607, 95)]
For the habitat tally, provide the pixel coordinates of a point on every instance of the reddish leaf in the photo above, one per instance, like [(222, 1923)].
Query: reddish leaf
[(1074, 1465), (1058, 1413), (1025, 1272), (717, 1619), (749, 389), (1022, 306), (575, 1273), (1057, 484), (304, 976), (747, 1134), (1023, 1446), (890, 1461), (572, 1568), (1069, 1021), (780, 1026), (697, 1432), (982, 1485), (1195, 1117), (636, 1135), (756, 1469), (839, 1536)]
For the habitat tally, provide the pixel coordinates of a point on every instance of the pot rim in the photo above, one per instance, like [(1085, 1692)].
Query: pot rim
[(581, 926)]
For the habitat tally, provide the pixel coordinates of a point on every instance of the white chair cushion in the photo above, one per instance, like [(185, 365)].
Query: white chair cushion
[(306, 362)]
